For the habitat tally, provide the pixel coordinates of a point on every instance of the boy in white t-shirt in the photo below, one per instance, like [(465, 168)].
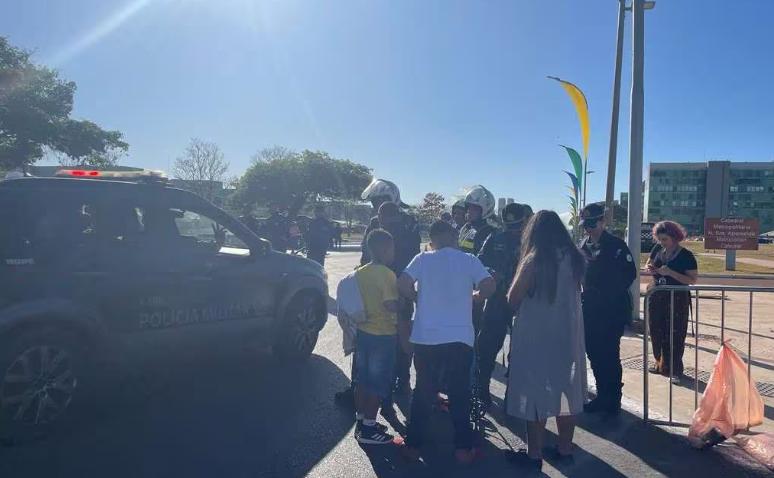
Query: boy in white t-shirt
[(443, 283)]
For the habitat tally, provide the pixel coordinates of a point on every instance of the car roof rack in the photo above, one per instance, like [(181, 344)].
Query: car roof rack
[(141, 175)]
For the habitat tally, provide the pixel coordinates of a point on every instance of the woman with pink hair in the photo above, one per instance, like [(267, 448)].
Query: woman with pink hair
[(670, 264)]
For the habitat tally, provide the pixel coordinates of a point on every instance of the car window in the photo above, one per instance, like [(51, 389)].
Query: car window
[(187, 228), (63, 229), (15, 229), (205, 230)]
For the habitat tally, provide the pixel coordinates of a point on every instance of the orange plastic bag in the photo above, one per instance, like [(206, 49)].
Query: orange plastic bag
[(729, 404)]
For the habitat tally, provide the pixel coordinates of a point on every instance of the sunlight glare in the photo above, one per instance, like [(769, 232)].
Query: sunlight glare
[(104, 28)]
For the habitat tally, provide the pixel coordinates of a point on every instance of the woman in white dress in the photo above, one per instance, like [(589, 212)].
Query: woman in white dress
[(547, 376)]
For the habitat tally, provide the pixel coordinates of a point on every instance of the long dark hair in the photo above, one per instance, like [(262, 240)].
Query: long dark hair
[(543, 242)]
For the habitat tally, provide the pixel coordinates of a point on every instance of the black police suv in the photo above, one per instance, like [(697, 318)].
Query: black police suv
[(98, 269)]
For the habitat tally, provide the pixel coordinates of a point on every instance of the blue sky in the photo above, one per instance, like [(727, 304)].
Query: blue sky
[(434, 95)]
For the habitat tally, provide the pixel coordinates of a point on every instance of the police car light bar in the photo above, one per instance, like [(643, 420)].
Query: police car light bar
[(118, 175)]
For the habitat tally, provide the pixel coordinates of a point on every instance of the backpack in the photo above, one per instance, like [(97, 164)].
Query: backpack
[(350, 310)]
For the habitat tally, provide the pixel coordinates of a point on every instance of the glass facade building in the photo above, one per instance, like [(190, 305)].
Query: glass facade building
[(689, 192)]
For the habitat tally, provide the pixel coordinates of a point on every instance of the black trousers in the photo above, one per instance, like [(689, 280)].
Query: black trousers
[(456, 358), (403, 366), (317, 256), (603, 331), (403, 359), (668, 349), (494, 326)]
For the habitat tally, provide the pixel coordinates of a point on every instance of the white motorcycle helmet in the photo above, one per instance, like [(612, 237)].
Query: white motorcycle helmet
[(481, 197), (382, 188)]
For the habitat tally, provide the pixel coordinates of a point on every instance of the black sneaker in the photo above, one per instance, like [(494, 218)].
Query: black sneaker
[(371, 435), (379, 426), (613, 408), (594, 406), (520, 458), (605, 406)]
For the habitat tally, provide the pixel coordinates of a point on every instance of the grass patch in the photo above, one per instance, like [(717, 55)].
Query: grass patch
[(716, 265), (765, 251)]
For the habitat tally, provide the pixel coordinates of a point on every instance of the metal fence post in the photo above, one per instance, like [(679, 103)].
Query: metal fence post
[(645, 336), (696, 356), (722, 316), (749, 360), (690, 289), (671, 347)]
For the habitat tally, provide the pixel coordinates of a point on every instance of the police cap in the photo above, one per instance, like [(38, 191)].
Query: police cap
[(592, 213), (515, 213)]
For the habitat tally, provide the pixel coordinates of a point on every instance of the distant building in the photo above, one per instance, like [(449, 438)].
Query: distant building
[(689, 192)]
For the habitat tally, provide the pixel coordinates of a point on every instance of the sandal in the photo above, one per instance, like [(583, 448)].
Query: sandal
[(520, 458), (654, 369), (554, 453)]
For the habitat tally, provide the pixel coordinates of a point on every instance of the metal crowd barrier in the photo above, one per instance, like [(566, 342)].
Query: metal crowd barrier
[(697, 289)]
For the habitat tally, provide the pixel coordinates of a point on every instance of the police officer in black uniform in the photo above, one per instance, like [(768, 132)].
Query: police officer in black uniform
[(500, 254), (405, 233), (459, 212), (607, 306), (318, 236), (480, 204), (277, 229)]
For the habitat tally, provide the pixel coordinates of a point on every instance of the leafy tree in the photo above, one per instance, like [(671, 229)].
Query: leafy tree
[(620, 219), (431, 208), (288, 179), (35, 108), (93, 160), (202, 167)]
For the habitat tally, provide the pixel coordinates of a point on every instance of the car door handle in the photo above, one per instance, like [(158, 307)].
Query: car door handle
[(91, 275), (201, 278)]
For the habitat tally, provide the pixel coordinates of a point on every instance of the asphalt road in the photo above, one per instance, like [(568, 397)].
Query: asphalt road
[(235, 412)]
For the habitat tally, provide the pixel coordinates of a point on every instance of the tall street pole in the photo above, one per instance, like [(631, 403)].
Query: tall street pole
[(613, 150), (635, 142)]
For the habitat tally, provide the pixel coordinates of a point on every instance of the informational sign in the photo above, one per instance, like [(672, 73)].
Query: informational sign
[(731, 233)]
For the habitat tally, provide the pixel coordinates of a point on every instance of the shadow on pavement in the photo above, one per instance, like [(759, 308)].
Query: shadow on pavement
[(232, 414), (661, 451), (585, 464), (657, 448), (438, 457)]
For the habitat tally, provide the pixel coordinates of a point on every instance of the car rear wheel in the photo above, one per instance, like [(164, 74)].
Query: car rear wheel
[(300, 327), (41, 376)]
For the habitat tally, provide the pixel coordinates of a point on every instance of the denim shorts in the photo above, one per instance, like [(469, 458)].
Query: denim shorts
[(375, 362)]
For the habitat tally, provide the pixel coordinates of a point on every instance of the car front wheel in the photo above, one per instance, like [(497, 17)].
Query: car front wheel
[(300, 327), (41, 374)]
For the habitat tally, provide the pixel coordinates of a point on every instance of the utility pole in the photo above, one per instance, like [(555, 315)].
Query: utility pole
[(634, 236), (613, 151)]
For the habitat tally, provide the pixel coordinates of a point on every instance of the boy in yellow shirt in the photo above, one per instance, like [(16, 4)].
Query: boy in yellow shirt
[(376, 340)]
